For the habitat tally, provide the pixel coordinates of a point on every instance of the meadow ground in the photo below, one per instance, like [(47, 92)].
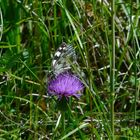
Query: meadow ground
[(105, 36)]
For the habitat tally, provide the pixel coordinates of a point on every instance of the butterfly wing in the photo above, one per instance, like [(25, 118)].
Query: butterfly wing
[(62, 58)]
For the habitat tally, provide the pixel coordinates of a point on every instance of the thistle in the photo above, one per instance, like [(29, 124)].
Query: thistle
[(65, 85)]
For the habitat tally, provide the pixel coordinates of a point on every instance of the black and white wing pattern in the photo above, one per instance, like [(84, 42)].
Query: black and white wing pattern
[(63, 58)]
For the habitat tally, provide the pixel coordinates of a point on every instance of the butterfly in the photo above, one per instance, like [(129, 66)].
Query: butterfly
[(63, 58)]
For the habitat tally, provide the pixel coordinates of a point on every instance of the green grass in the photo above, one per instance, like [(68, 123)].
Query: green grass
[(108, 54)]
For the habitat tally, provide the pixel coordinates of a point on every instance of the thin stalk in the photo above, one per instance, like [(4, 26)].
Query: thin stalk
[(136, 93), (31, 111), (1, 24), (36, 120), (134, 27), (112, 78), (55, 23), (63, 122)]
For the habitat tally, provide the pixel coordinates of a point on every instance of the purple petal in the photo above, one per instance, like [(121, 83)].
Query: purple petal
[(65, 84)]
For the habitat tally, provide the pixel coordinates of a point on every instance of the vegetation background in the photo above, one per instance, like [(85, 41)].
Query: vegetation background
[(30, 33)]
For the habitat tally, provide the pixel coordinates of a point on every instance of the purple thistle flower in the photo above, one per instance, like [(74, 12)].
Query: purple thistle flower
[(65, 85)]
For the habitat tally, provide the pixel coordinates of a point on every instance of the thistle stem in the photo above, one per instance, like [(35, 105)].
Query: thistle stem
[(63, 121)]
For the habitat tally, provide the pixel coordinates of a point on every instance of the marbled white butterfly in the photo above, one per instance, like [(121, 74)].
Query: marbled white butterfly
[(64, 56)]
